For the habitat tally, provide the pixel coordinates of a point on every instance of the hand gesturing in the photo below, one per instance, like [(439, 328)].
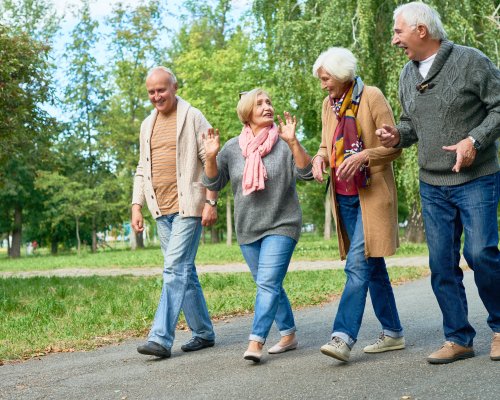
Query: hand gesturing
[(211, 141), (287, 128)]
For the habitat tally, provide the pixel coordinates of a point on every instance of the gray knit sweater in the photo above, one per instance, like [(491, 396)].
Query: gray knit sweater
[(462, 99), (272, 211)]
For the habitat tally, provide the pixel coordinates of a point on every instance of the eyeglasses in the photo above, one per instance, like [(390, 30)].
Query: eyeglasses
[(241, 94)]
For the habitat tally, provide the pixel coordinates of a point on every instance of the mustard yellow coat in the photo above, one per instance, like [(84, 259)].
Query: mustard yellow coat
[(378, 201)]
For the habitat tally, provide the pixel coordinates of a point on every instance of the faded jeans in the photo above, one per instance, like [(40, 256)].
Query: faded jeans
[(179, 239)]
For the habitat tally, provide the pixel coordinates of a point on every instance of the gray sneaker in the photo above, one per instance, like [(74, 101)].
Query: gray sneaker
[(337, 348), (385, 343)]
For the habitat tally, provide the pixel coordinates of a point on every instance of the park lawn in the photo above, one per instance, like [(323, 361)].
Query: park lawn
[(308, 248), (41, 315)]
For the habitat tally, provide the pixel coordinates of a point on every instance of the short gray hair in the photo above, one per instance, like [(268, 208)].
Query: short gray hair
[(173, 79), (418, 13), (338, 62)]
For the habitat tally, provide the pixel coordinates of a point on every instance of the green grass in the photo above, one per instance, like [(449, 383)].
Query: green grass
[(41, 315), (309, 248)]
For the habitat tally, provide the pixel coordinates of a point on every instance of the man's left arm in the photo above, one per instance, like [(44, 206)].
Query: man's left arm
[(487, 78)]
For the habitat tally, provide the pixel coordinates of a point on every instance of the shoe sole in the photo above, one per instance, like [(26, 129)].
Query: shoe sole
[(328, 352), (496, 358), (255, 359), (450, 360), (151, 353), (399, 347)]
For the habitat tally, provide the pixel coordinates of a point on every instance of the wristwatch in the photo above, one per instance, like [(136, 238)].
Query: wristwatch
[(213, 203), (475, 143)]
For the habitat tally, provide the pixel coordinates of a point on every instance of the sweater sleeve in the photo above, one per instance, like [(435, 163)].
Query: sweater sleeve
[(217, 183), (407, 133), (486, 78), (381, 113), (138, 190)]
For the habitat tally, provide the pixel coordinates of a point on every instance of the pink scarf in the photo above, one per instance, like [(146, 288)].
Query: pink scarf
[(253, 149)]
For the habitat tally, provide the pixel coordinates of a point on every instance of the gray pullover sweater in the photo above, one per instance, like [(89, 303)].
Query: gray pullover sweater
[(272, 211), (462, 98)]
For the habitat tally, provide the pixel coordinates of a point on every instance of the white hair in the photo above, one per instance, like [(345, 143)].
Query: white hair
[(418, 13), (173, 79), (338, 62)]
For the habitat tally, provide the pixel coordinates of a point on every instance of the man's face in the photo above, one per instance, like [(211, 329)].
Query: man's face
[(161, 91), (407, 38)]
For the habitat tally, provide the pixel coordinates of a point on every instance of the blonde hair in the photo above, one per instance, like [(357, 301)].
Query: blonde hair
[(246, 104)]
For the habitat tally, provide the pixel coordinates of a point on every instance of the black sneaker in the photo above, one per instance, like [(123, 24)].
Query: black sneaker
[(154, 349), (197, 343)]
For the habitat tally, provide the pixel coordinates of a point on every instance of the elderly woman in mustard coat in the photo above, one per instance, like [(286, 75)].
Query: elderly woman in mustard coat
[(363, 198)]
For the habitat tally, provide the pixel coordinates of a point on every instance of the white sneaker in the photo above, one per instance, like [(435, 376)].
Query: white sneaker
[(337, 348), (385, 343)]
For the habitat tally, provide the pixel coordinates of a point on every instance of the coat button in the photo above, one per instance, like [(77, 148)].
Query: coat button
[(157, 213), (152, 197), (147, 159)]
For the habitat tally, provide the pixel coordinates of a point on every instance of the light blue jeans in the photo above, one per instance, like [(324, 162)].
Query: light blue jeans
[(179, 240), (268, 259), (363, 274), (448, 211)]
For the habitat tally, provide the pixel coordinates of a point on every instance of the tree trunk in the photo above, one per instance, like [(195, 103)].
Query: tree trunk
[(53, 246), (94, 236), (214, 235), (15, 250), (415, 229), (229, 221), (78, 244), (327, 232), (139, 239)]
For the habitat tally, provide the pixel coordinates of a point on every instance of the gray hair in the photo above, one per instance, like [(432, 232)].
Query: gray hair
[(338, 62), (418, 13), (173, 79)]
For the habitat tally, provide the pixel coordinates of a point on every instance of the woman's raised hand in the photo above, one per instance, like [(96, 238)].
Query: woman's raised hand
[(287, 128), (211, 141)]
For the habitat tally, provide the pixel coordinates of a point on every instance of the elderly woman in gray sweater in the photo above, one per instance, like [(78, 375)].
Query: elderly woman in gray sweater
[(263, 163)]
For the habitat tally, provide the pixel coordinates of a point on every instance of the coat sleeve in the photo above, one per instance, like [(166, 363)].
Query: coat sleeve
[(381, 113), (323, 148)]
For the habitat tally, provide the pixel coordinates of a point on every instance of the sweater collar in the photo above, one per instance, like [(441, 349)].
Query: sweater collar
[(441, 57)]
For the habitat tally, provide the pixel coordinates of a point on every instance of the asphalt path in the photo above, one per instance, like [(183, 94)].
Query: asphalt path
[(119, 372)]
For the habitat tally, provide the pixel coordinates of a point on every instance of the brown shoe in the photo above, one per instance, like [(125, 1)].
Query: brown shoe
[(450, 352), (495, 347)]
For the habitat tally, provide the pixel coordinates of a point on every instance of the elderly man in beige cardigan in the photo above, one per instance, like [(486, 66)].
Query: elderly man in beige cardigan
[(168, 178)]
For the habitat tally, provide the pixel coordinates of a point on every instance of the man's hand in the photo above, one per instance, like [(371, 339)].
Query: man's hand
[(466, 154), (319, 168), (209, 215), (137, 219), (388, 136), (351, 165)]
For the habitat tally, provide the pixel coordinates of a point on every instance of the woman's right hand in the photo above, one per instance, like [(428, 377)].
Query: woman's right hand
[(211, 141), (318, 168)]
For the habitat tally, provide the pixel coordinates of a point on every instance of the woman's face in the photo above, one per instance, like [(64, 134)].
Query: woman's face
[(334, 87), (262, 112)]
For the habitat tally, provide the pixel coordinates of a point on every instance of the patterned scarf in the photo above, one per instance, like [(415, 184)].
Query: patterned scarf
[(253, 149), (347, 137)]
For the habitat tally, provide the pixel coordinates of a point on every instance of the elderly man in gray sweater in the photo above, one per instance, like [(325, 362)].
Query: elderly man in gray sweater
[(450, 98)]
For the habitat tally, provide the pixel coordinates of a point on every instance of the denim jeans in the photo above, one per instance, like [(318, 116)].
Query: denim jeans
[(179, 239), (448, 211), (363, 274), (268, 259)]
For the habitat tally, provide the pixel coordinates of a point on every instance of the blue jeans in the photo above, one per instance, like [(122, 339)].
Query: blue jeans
[(179, 240), (363, 274), (448, 211), (268, 259)]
